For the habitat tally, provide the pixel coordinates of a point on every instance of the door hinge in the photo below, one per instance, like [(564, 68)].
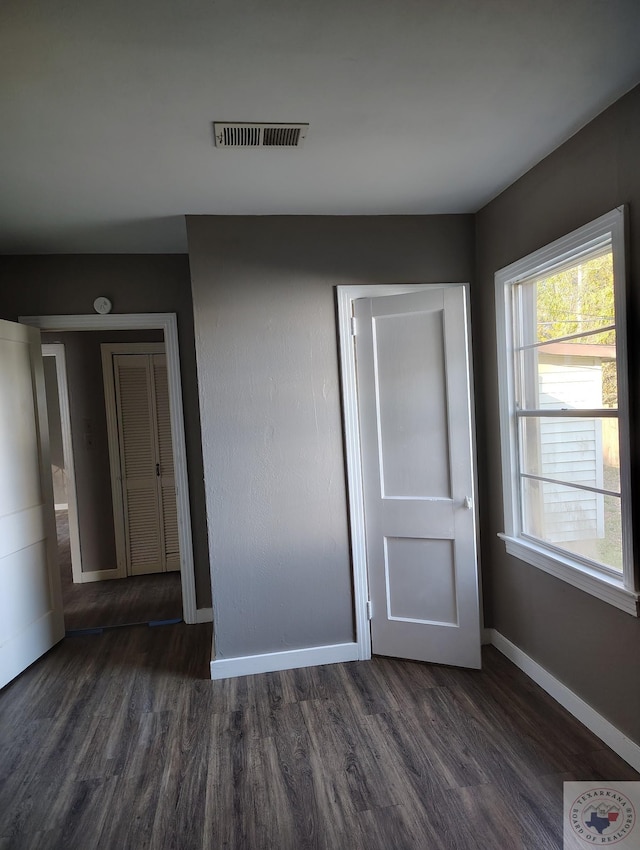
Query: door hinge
[(369, 610), (353, 326)]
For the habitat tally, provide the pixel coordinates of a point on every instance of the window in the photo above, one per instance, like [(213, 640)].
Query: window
[(563, 411)]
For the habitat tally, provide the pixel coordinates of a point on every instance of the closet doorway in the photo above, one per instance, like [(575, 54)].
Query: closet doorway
[(136, 391)]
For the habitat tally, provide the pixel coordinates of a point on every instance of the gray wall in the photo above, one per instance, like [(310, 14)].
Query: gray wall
[(587, 644), (140, 283), (89, 439), (267, 353)]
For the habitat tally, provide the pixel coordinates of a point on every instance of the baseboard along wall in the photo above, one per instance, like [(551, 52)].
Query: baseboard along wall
[(204, 615), (575, 705), (247, 665)]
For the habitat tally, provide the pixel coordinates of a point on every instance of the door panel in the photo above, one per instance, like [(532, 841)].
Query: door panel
[(415, 426), (20, 481), (410, 403), (420, 577), (142, 530), (31, 618)]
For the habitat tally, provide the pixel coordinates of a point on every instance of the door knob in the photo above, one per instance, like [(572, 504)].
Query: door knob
[(468, 503)]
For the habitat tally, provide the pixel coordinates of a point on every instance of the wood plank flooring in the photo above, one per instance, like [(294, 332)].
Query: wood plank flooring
[(115, 602), (120, 741)]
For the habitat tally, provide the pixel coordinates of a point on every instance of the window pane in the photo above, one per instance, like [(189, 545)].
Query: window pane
[(572, 301), (580, 522), (575, 374), (576, 451)]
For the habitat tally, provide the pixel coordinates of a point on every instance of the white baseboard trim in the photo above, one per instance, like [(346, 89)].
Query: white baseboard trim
[(204, 615), (575, 705), (100, 575), (247, 665), (61, 507)]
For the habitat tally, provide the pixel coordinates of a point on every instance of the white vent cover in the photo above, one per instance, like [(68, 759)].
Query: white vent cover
[(235, 135)]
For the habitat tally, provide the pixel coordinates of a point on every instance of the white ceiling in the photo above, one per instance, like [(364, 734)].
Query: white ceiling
[(415, 106)]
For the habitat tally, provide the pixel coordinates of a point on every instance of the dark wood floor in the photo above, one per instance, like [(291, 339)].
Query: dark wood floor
[(115, 602), (118, 741)]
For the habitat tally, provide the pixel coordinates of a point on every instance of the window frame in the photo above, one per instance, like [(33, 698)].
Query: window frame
[(620, 591)]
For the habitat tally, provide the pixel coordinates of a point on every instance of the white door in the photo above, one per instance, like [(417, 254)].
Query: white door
[(31, 617), (416, 443)]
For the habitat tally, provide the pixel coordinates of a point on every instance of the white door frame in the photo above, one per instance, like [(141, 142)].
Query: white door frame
[(56, 351), (346, 295), (168, 324)]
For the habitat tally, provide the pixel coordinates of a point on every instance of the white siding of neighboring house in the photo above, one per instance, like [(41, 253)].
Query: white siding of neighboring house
[(571, 449)]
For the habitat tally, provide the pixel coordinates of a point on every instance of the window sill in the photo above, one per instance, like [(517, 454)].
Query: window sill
[(606, 588)]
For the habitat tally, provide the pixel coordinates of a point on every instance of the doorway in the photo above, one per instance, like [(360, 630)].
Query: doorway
[(141, 457), (166, 324), (96, 592), (407, 396)]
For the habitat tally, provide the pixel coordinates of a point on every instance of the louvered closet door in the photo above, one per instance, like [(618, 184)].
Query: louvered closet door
[(142, 525), (146, 463), (166, 481)]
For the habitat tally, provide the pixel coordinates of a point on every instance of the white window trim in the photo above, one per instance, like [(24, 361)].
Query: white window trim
[(621, 592)]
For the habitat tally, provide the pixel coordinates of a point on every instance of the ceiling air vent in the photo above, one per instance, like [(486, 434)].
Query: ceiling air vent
[(228, 135)]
